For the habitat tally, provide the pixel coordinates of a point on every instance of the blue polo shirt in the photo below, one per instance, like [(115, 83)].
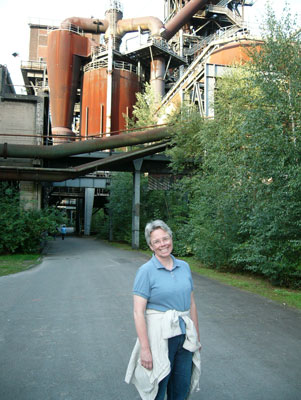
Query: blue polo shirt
[(164, 290)]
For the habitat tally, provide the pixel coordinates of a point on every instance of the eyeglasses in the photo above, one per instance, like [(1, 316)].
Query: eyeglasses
[(158, 242)]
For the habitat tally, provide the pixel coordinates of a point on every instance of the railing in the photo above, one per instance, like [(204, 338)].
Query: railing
[(225, 10), (223, 33), (103, 63), (67, 27), (98, 51), (223, 3), (38, 65), (163, 45), (125, 66), (44, 22), (96, 64), (198, 64), (114, 5)]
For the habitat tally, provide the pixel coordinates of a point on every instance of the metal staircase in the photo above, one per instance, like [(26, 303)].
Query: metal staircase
[(196, 70)]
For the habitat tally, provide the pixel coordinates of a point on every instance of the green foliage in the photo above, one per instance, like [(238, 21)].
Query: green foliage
[(146, 112), (155, 204), (244, 186), (23, 231), (100, 224)]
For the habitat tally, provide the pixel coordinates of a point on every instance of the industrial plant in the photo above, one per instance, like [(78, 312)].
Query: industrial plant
[(68, 131)]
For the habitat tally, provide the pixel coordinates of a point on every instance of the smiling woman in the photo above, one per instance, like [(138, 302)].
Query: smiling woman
[(166, 357)]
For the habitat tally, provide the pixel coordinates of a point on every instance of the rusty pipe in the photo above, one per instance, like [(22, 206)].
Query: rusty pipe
[(152, 24), (88, 146), (182, 17), (88, 25), (59, 174)]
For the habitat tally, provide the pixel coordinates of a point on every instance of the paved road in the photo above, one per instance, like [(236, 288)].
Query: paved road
[(66, 332)]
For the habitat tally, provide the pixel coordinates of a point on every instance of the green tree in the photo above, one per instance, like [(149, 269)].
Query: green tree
[(146, 112), (273, 245), (244, 181)]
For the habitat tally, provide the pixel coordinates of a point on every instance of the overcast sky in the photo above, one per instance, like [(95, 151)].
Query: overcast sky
[(16, 14)]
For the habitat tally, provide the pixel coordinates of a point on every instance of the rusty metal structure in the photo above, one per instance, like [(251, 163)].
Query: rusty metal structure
[(84, 57), (93, 77), (109, 79)]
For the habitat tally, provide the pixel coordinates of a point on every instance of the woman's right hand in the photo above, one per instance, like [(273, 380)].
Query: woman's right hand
[(146, 358)]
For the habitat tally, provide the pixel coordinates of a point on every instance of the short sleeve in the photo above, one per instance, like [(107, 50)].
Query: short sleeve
[(190, 278), (142, 283)]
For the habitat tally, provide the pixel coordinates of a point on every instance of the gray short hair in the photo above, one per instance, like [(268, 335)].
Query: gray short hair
[(152, 226)]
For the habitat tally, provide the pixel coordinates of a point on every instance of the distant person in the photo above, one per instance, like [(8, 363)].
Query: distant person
[(166, 357), (63, 231)]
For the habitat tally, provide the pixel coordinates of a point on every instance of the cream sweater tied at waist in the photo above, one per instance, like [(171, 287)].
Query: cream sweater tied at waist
[(161, 326)]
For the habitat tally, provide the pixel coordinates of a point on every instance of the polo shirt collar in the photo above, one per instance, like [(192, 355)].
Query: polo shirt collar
[(158, 265)]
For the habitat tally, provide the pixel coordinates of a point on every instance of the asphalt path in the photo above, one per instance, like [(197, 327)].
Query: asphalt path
[(66, 332)]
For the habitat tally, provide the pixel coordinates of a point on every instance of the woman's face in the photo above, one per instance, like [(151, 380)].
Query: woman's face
[(161, 243)]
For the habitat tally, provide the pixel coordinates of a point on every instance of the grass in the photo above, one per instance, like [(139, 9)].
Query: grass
[(12, 264), (250, 283), (247, 282)]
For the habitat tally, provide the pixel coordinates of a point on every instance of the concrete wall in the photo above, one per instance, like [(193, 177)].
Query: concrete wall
[(21, 122)]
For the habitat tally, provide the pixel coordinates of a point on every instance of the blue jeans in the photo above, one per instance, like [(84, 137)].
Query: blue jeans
[(177, 383)]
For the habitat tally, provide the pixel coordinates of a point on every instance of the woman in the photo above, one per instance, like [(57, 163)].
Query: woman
[(166, 357)]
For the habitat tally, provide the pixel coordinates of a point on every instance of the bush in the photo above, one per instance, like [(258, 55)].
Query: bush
[(24, 231)]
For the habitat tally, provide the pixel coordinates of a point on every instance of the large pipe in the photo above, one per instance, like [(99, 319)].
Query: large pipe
[(182, 17), (88, 25), (59, 174), (87, 146), (157, 77), (152, 24)]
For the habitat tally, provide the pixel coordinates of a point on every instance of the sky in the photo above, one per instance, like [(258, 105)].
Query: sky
[(15, 15)]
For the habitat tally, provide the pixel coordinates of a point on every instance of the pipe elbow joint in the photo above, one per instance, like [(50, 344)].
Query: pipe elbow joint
[(152, 24), (155, 26)]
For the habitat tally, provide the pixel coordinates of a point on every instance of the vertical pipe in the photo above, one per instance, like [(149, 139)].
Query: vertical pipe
[(127, 117), (157, 77), (182, 66), (87, 123), (101, 121), (109, 85)]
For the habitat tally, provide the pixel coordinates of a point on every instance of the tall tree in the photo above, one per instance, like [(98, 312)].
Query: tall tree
[(244, 184)]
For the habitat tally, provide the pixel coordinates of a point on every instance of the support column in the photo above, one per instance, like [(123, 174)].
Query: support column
[(157, 80), (30, 195), (89, 200), (111, 235), (136, 203)]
